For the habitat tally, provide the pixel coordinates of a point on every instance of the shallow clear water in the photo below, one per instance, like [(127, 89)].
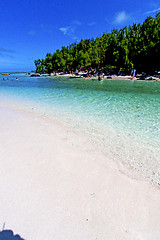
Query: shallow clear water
[(119, 106)]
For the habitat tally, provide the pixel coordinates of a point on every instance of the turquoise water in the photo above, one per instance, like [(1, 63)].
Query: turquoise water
[(115, 107)]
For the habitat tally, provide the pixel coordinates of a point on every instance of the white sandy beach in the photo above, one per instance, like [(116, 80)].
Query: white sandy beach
[(113, 77), (55, 184)]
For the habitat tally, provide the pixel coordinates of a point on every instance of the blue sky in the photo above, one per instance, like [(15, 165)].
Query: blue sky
[(31, 28)]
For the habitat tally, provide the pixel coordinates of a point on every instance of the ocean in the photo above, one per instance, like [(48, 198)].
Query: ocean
[(120, 117)]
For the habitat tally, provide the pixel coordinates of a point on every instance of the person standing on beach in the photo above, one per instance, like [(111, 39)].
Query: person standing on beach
[(99, 77), (102, 76), (133, 73)]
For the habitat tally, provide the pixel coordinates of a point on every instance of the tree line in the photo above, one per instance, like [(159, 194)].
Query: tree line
[(136, 46)]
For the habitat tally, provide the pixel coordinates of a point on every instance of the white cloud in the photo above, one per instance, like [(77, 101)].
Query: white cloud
[(65, 30), (70, 30), (155, 10), (121, 17), (91, 23)]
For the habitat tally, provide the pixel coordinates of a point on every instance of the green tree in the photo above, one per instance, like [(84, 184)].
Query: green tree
[(136, 46)]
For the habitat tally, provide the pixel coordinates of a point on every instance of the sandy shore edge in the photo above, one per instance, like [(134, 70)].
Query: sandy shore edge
[(110, 77), (55, 184)]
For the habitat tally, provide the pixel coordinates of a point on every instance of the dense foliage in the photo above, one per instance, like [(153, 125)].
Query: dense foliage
[(135, 46)]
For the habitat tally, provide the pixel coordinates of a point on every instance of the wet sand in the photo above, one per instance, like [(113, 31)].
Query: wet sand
[(55, 184)]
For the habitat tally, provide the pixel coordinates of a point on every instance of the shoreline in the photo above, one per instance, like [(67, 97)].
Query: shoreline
[(126, 150), (141, 152), (110, 77), (61, 186)]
